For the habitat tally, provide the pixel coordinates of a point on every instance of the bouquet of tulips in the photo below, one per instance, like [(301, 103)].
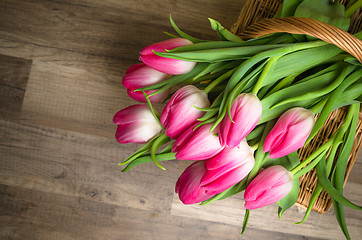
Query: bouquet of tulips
[(240, 110)]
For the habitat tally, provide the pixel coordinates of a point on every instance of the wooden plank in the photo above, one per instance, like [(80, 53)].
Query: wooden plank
[(355, 175), (74, 94), (74, 22), (81, 165), (67, 32), (116, 32), (14, 74), (37, 215)]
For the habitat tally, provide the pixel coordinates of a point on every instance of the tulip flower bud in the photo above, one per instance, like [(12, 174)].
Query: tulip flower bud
[(245, 112), (289, 133), (198, 144), (138, 96), (188, 185), (227, 168), (180, 112), (268, 187), (166, 65), (140, 75), (136, 124)]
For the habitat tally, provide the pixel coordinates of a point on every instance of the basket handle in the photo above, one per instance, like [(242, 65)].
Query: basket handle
[(308, 26)]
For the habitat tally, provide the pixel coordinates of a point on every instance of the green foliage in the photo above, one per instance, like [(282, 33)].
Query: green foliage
[(331, 13)]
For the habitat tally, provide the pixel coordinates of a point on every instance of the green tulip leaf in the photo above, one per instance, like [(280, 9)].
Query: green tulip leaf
[(288, 7), (182, 34), (145, 159), (312, 200), (245, 222), (331, 13), (223, 33), (289, 162), (289, 200), (333, 192)]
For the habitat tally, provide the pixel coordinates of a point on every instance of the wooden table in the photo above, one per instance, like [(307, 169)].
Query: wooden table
[(61, 64)]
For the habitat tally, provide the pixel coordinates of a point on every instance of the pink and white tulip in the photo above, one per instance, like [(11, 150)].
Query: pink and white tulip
[(290, 132), (245, 112), (166, 65), (180, 112), (140, 75), (188, 185), (198, 144), (138, 96), (228, 168), (136, 124), (268, 187)]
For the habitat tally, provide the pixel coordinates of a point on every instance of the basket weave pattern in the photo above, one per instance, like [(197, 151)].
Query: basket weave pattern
[(249, 24), (309, 180)]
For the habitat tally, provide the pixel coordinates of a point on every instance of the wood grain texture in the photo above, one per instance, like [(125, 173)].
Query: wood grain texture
[(59, 172), (14, 74)]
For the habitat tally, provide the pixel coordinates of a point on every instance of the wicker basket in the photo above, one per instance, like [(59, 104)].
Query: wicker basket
[(260, 12)]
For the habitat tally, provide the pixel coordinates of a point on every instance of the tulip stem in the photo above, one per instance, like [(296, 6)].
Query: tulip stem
[(353, 8), (255, 146), (265, 74), (259, 154), (316, 155), (246, 220), (219, 80), (334, 140), (285, 82), (317, 108), (162, 139), (154, 113)]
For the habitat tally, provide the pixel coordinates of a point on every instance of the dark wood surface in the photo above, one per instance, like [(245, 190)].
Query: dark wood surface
[(61, 64)]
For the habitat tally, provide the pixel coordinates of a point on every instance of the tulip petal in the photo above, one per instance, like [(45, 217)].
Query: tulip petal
[(269, 197), (135, 124), (188, 184), (245, 112), (227, 179), (134, 67), (142, 76), (183, 138), (293, 139), (177, 124), (165, 45), (202, 145), (240, 154), (289, 133), (138, 96), (268, 187), (168, 65), (129, 114), (136, 133), (180, 113)]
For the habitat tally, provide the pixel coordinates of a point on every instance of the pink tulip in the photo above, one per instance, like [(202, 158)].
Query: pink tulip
[(140, 75), (180, 112), (227, 168), (136, 124), (166, 65), (188, 185), (245, 112), (198, 144), (268, 187), (138, 96), (289, 133)]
